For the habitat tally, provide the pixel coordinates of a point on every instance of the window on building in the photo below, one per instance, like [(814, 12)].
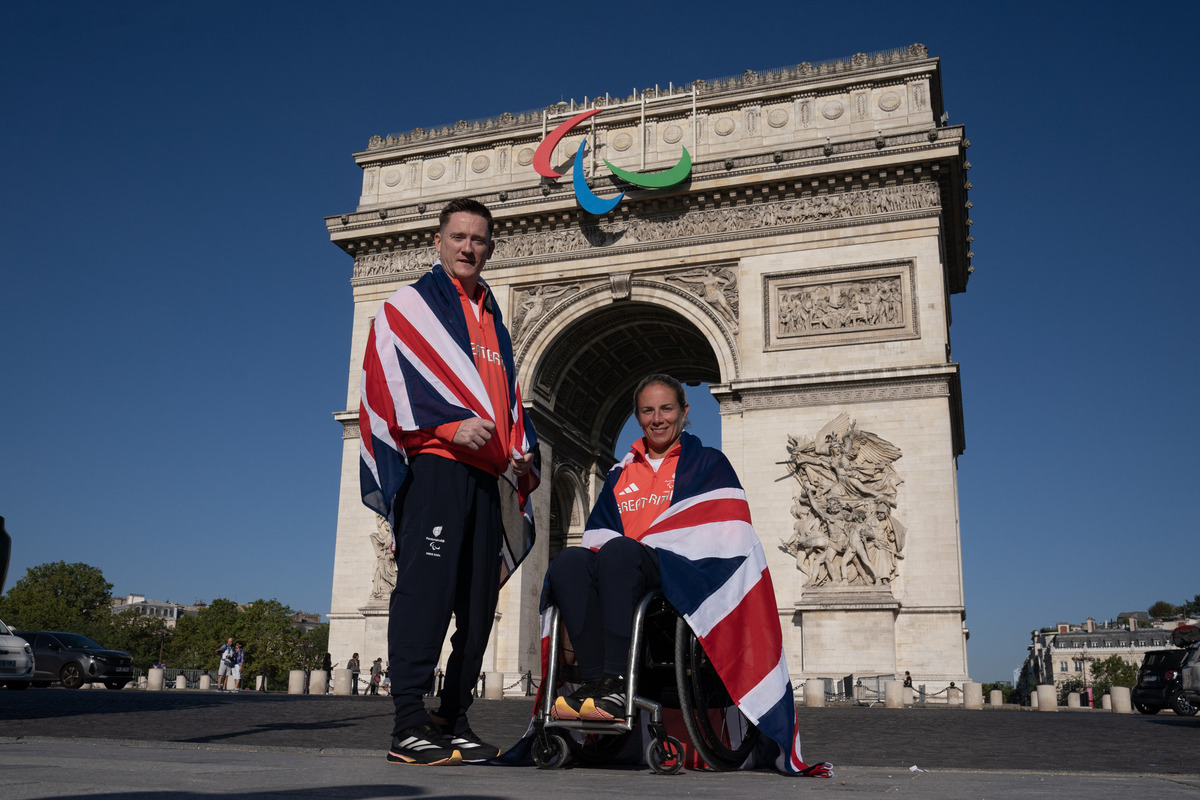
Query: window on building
[(1079, 666), (1062, 666), (1141, 642), (1095, 644)]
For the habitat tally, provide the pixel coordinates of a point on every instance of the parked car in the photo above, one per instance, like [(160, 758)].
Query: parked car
[(1159, 686), (1189, 673), (16, 660), (73, 660)]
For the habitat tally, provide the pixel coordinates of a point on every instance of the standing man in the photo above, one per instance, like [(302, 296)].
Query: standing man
[(239, 658), (441, 422), (352, 665), (227, 653)]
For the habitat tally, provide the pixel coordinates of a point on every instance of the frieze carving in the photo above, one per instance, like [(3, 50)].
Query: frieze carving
[(840, 305), (845, 531), (535, 303), (853, 305), (672, 226), (716, 286), (748, 80)]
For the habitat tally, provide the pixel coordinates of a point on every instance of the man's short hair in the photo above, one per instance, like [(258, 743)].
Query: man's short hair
[(466, 205)]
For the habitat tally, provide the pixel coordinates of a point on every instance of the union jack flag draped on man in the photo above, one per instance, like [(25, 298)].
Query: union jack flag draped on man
[(714, 573), (419, 373)]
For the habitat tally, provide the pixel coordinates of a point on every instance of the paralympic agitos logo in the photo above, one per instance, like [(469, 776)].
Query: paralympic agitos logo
[(588, 200)]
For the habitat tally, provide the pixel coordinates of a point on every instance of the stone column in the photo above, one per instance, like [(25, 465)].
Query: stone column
[(1106, 702), (205, 682), (996, 697), (1121, 700), (954, 696), (318, 681), (972, 695), (258, 684), (1073, 700), (1047, 697), (341, 682), (493, 687), (155, 679), (893, 694), (814, 693), (1033, 703), (180, 682), (296, 681)]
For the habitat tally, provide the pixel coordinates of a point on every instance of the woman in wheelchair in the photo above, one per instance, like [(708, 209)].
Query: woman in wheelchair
[(596, 587), (673, 515)]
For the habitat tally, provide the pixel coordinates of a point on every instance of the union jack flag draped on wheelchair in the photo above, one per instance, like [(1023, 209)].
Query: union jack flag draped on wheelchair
[(714, 573)]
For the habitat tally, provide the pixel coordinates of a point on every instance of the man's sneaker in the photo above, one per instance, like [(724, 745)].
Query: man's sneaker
[(607, 703), (422, 744), (471, 746)]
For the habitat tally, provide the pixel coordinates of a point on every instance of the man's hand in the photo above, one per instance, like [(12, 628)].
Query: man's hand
[(521, 465), (474, 432)]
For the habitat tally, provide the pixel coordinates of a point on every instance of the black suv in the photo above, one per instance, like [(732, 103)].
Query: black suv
[(74, 660), (1158, 685)]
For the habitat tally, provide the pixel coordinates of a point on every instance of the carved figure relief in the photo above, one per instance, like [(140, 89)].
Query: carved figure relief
[(840, 305), (845, 531), (831, 306), (535, 303), (385, 561), (716, 286), (671, 227)]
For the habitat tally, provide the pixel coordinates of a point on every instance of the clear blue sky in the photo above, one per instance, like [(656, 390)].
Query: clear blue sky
[(175, 325)]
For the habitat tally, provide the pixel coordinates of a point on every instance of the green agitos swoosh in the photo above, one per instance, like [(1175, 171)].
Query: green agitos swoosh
[(656, 180)]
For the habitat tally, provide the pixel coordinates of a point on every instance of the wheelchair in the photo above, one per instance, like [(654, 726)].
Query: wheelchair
[(667, 668)]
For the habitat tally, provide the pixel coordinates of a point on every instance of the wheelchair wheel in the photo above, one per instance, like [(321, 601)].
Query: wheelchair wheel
[(665, 756), (701, 691), (597, 748), (549, 753)]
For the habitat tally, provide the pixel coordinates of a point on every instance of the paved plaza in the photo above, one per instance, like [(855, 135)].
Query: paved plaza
[(152, 746)]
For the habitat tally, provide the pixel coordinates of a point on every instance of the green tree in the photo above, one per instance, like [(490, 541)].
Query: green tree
[(137, 634), (1192, 607), (58, 596), (313, 646), (1112, 671), (1162, 610), (271, 641), (198, 636)]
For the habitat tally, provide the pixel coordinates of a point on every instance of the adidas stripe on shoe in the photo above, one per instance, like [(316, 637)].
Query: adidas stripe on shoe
[(422, 744)]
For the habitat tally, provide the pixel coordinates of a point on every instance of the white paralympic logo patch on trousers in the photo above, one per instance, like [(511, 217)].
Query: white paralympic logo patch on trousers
[(435, 542)]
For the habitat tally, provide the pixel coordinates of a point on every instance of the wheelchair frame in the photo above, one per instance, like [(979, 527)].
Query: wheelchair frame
[(553, 743)]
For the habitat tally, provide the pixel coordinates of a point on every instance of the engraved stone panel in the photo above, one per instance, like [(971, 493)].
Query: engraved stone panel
[(841, 305), (622, 142), (525, 156), (392, 177), (672, 134), (777, 118), (833, 109), (435, 171), (889, 101), (480, 164), (724, 126)]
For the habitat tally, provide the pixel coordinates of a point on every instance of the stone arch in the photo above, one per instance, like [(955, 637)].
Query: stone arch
[(568, 508), (641, 291)]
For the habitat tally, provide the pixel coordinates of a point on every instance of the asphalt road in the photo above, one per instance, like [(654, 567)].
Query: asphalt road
[(148, 746)]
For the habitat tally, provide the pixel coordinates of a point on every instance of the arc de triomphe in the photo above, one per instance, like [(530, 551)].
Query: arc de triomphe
[(804, 270)]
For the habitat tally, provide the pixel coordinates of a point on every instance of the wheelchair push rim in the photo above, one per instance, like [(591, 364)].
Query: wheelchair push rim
[(701, 691)]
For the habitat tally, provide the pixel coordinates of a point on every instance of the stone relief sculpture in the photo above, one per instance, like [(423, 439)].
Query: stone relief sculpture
[(672, 227), (715, 286), (820, 308), (385, 562), (845, 532), (535, 303)]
